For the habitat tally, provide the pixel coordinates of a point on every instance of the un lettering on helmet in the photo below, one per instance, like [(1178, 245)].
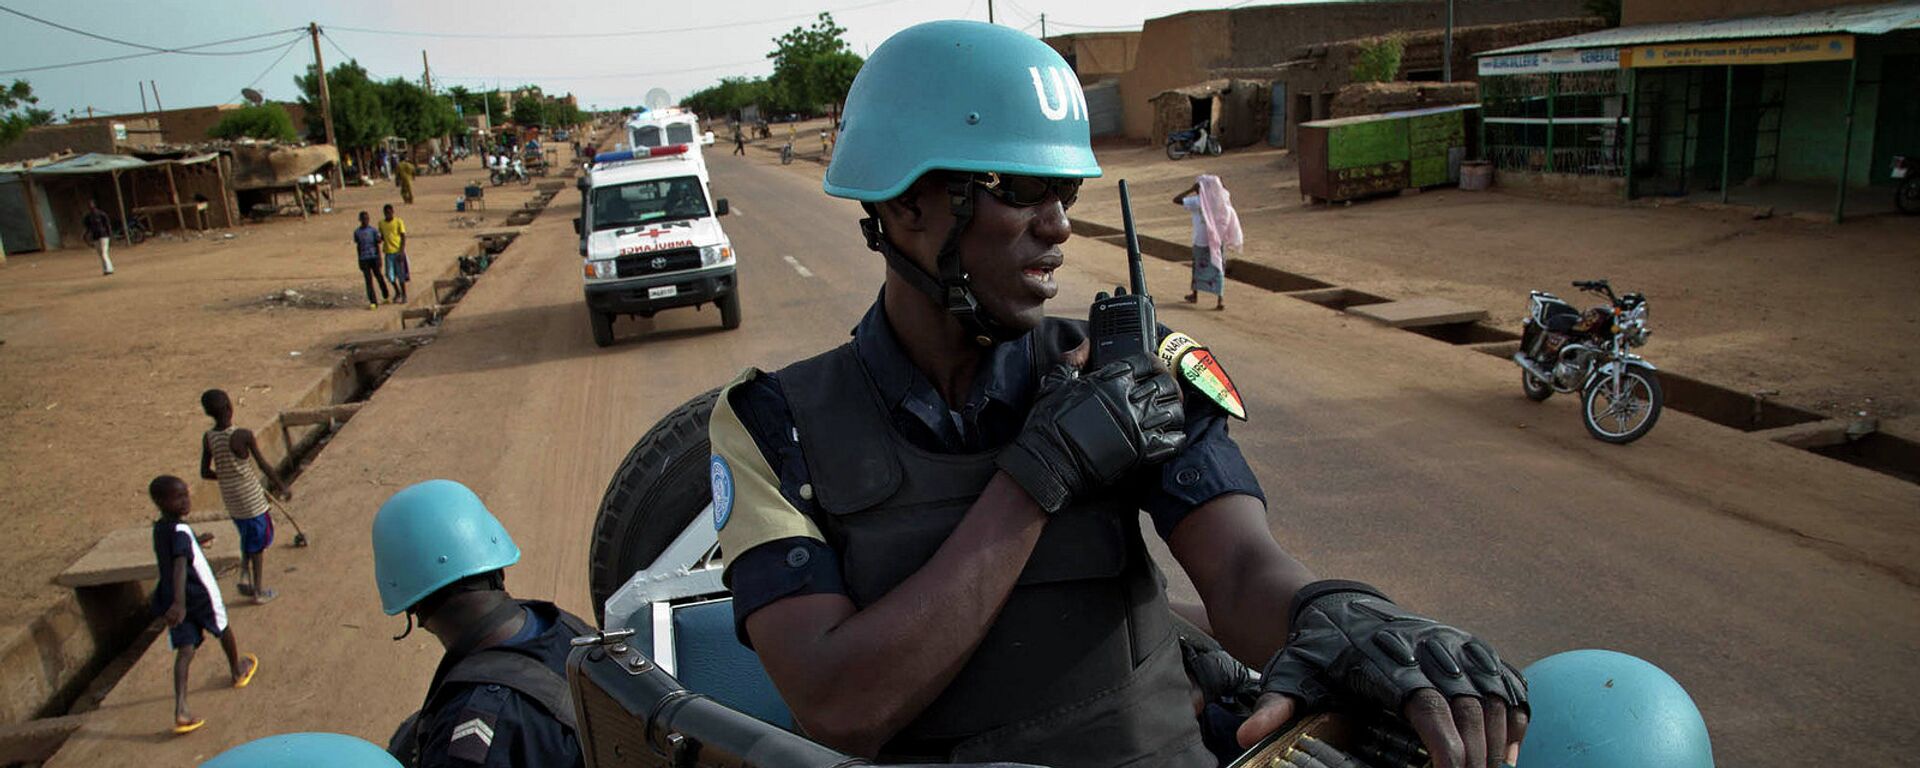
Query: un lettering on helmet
[(1068, 101)]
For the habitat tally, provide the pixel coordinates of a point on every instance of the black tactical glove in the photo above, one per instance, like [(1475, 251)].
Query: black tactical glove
[(1350, 644), (1087, 430)]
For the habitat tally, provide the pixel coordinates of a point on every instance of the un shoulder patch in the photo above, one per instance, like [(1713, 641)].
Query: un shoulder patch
[(722, 477)]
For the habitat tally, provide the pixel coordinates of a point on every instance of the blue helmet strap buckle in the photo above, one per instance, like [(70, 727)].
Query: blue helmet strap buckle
[(951, 289)]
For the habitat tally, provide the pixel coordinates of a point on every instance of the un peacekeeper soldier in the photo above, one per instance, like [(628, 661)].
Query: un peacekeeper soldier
[(499, 697), (932, 529)]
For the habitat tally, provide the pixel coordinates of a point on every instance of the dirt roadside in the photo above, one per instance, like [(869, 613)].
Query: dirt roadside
[(1806, 311), (100, 377)]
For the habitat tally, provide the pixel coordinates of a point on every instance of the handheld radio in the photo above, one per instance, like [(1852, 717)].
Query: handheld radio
[(1123, 325)]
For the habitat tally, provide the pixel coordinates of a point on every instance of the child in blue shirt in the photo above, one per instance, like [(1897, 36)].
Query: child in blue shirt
[(188, 597)]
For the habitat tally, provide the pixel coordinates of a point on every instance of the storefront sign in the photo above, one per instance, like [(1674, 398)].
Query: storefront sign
[(1777, 50), (1586, 60)]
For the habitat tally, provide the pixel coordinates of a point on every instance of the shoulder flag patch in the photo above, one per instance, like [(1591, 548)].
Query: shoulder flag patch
[(1202, 371), (471, 740)]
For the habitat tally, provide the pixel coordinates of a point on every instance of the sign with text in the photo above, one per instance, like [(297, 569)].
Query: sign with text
[(1585, 60), (1776, 50)]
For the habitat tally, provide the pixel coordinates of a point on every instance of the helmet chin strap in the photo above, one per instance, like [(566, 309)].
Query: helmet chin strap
[(952, 289)]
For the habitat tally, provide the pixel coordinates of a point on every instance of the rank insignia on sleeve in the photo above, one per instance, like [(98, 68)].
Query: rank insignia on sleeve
[(1197, 366), (471, 739)]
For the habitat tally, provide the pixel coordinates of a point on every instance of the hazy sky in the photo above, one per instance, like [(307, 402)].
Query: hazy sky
[(546, 46)]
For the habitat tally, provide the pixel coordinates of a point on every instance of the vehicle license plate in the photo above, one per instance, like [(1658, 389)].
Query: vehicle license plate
[(662, 291)]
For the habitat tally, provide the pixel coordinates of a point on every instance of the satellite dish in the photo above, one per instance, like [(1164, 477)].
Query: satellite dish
[(658, 98), (253, 97)]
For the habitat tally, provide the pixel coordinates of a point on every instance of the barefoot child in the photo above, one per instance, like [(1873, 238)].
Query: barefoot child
[(188, 597), (224, 451)]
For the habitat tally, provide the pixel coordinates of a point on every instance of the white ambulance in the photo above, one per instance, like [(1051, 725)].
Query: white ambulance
[(650, 238)]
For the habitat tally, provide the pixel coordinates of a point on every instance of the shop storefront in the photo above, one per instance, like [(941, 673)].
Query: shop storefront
[(1802, 112)]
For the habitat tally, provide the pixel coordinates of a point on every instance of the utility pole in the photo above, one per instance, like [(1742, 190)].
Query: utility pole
[(326, 100), (426, 72), (156, 96), (1446, 63), (989, 11), (143, 96), (1043, 26)]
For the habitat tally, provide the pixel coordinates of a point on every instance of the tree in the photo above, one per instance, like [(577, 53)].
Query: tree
[(416, 115), (360, 119), (528, 111), (17, 112), (729, 96), (483, 103), (1379, 61), (266, 121), (558, 113), (812, 65)]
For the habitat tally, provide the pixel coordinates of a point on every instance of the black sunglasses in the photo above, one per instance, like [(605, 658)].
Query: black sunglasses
[(1028, 191)]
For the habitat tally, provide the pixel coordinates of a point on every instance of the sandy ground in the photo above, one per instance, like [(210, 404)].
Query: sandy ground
[(1766, 579), (100, 377), (1822, 315)]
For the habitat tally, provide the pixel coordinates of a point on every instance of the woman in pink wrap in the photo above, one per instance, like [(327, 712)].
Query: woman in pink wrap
[(1215, 227)]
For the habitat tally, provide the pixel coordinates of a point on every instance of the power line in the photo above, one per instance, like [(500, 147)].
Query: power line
[(1054, 23), (276, 62), (625, 33), (619, 76), (188, 50), (336, 46), (124, 57)]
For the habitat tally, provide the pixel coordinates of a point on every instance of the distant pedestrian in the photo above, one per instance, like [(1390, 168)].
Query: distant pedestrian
[(739, 142), (403, 178), (224, 451), (1216, 227), (380, 161), (187, 596), (366, 244), (393, 245), (100, 231)]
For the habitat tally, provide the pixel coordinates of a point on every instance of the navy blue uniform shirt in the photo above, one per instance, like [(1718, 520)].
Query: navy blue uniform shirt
[(1208, 467), (495, 726)]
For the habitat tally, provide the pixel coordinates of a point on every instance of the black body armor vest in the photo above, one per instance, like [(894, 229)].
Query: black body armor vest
[(1080, 668)]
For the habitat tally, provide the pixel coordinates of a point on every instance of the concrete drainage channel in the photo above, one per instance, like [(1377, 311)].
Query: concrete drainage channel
[(61, 665), (1855, 441)]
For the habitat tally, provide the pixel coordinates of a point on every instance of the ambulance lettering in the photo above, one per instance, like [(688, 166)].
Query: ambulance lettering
[(655, 246)]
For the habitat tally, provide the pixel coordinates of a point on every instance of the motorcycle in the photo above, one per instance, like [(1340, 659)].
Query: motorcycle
[(1565, 350), (1906, 192), (1195, 140), (504, 171)]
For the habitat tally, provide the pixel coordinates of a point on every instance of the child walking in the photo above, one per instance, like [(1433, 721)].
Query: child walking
[(224, 451), (188, 598)]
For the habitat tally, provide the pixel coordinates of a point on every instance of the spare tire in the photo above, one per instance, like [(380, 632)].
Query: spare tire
[(659, 489)]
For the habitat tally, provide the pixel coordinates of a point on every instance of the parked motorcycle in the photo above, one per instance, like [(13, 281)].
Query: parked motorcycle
[(1906, 192), (1565, 350), (1195, 140)]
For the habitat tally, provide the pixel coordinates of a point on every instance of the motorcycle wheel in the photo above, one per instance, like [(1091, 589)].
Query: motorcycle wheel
[(1214, 148), (1611, 418), (497, 181), (1535, 389), (525, 179), (1175, 150), (1906, 197), (659, 490)]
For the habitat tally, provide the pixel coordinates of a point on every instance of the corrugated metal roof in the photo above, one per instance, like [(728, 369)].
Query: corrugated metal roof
[(1859, 20), (95, 162), (1402, 114)]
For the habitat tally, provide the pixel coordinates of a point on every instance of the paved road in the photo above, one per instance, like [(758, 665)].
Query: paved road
[(1776, 585)]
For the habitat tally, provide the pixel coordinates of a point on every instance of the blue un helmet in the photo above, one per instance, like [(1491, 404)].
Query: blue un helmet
[(1604, 709), (304, 750), (433, 534), (957, 96)]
